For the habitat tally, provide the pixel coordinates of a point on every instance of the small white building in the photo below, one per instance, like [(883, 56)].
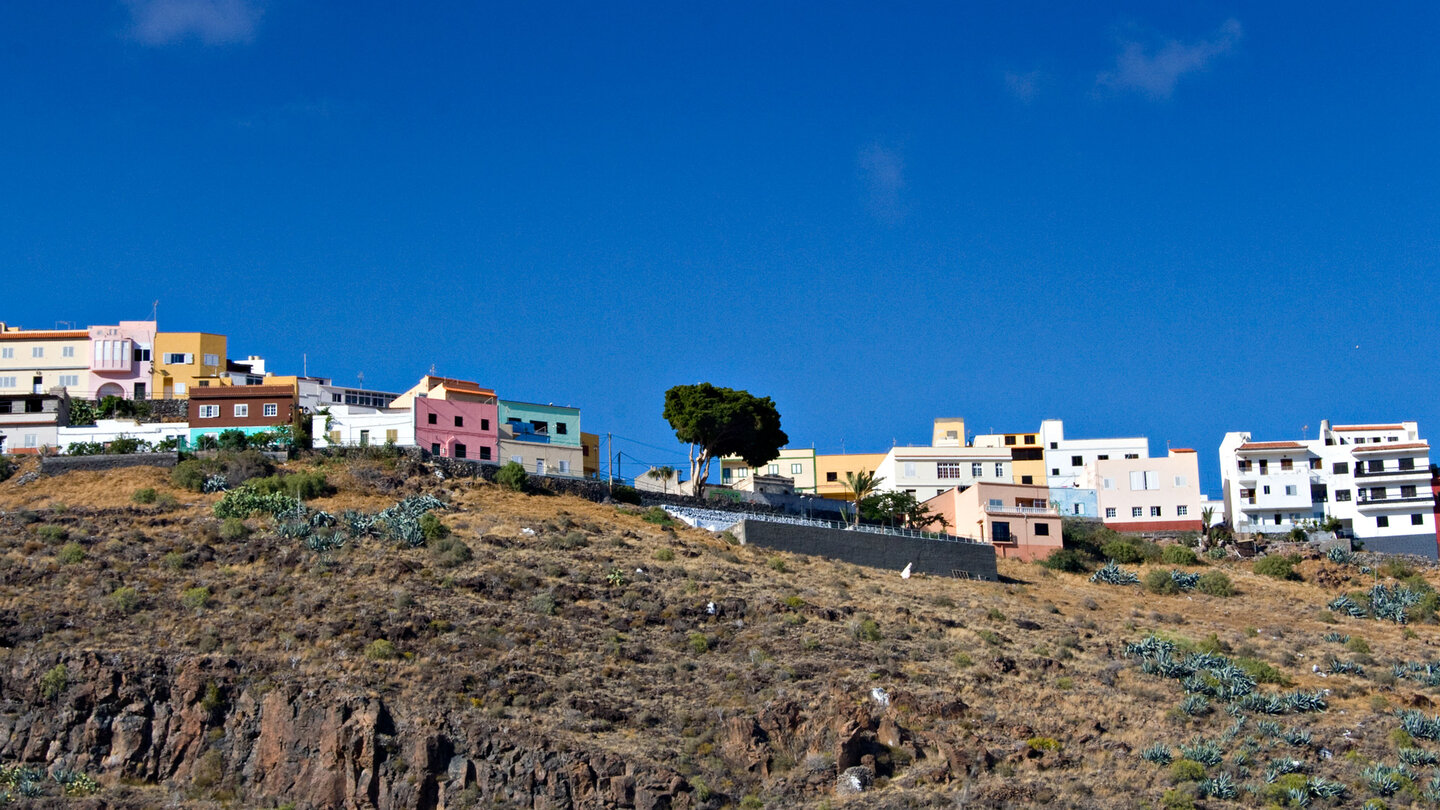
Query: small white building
[(359, 426), (1374, 479), (105, 431), (1066, 459)]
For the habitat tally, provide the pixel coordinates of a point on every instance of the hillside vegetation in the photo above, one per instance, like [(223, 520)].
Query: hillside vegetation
[(527, 649)]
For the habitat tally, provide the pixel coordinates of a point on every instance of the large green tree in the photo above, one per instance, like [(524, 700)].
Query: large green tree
[(901, 509), (718, 422)]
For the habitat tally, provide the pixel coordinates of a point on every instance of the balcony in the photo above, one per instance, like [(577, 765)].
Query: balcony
[(1397, 500), (1023, 511), (1417, 472), (522, 432)]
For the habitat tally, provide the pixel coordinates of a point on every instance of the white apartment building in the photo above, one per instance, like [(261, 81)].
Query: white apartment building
[(1375, 479), (929, 471), (105, 431), (356, 425), (1066, 459)]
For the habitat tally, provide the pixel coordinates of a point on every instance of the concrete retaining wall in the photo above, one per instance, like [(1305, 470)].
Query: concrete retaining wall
[(937, 557), (1420, 545), (55, 465)]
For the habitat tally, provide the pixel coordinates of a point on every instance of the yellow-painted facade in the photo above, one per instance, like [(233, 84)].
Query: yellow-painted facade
[(830, 471), (1027, 455), (185, 360)]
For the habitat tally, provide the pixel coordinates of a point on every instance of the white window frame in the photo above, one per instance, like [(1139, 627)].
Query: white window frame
[(37, 351), (1157, 511), (242, 410), (209, 412), (797, 468), (999, 469), (67, 351), (976, 469), (947, 470), (8, 353), (69, 380), (1110, 511), (907, 469), (8, 382), (1182, 511), (564, 467), (1137, 511), (211, 360), (272, 409), (772, 469)]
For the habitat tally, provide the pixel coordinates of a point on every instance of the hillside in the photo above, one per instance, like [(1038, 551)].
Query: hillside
[(555, 652)]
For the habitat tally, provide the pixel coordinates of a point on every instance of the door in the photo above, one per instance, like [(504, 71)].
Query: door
[(37, 385), (139, 391)]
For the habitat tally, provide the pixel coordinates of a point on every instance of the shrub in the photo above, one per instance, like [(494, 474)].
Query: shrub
[(125, 599), (699, 644), (1277, 567), (381, 650), (1043, 744), (1160, 582), (657, 516), (54, 682), (1122, 552), (777, 563), (246, 501), (512, 476), (1178, 555), (1215, 583), (450, 552), (145, 495), (71, 553), (53, 534), (1357, 645), (233, 439), (234, 529), (665, 555), (433, 528), (189, 474), (1113, 574), (1068, 560), (195, 598), (1397, 568), (625, 494), (865, 630), (304, 485), (1187, 770)]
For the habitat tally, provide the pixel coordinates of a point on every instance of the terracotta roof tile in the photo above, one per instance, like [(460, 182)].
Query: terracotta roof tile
[(1368, 427), (1377, 448), (1272, 446)]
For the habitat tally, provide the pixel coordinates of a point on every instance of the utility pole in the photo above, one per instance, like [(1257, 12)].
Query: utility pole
[(610, 458)]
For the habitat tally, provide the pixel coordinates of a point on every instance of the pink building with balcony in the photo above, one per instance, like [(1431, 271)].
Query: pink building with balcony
[(1017, 519), (120, 363), (454, 418)]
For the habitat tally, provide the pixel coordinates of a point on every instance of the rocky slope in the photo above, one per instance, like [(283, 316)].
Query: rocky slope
[(554, 652)]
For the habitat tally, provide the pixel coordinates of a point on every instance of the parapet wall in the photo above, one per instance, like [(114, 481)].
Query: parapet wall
[(937, 557)]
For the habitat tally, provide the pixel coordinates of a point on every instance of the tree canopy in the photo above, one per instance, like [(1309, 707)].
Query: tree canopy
[(718, 422)]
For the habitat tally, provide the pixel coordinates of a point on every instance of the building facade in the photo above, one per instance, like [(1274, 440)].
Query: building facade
[(1027, 455), (105, 431), (361, 426), (249, 409), (590, 455), (1066, 459), (29, 423), (454, 418), (796, 464), (1148, 494), (929, 471), (1017, 519), (831, 471), (1374, 479), (545, 439), (186, 360), (121, 362)]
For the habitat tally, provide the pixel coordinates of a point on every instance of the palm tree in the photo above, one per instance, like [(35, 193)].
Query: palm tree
[(1206, 515), (862, 485)]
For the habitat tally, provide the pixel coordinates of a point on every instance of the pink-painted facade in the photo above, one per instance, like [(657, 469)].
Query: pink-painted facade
[(1017, 519), (121, 360), (454, 418)]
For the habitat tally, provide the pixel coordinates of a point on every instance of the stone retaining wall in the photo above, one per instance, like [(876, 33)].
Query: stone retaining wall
[(937, 557), (55, 465)]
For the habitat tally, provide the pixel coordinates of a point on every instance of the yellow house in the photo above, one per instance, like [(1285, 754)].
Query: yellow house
[(185, 360), (1027, 455), (830, 471), (796, 464), (590, 454)]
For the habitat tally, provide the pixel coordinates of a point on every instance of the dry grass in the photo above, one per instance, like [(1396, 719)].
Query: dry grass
[(565, 621)]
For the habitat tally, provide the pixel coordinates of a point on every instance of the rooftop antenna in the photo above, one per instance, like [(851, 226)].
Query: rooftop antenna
[(432, 369), (304, 364), (154, 309), (361, 375), (1304, 432)]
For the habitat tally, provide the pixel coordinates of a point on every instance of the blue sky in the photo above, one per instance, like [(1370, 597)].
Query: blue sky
[(1170, 222)]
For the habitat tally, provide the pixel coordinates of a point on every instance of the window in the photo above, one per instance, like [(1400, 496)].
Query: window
[(434, 448), (1407, 491), (37, 351), (564, 466), (7, 382), (485, 425), (140, 354), (459, 421), (1054, 445), (484, 454), (908, 470), (1107, 483), (1078, 509), (69, 380), (1289, 489), (832, 477), (1182, 511), (1109, 511), (1244, 465), (30, 440), (1137, 511), (1027, 479), (1137, 480), (795, 469), (242, 410), (1000, 531), (1287, 464), (539, 466), (1054, 470), (1042, 529), (211, 359), (1417, 520), (1180, 481), (725, 473), (976, 469), (941, 491), (1009, 440), (947, 469), (1342, 494), (996, 503), (179, 389), (743, 472), (1377, 465), (209, 411), (8, 353), (1030, 439), (1314, 463), (364, 438), (1077, 461), (1377, 493), (999, 469), (1407, 463), (1342, 468), (772, 469), (67, 351), (1154, 511), (176, 358), (392, 436), (1382, 522), (1264, 467), (430, 418), (273, 409), (1265, 489), (1132, 455), (560, 428)]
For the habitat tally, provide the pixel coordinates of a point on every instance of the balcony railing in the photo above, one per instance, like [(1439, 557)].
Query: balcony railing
[(1419, 497), (1421, 472), (1040, 511)]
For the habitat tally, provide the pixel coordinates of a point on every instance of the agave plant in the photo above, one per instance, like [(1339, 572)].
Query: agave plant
[(1323, 789), (1267, 728), (1220, 786), (1346, 605), (1417, 725), (1112, 574), (215, 483), (1335, 638), (1342, 556), (1432, 788), (1195, 705), (1264, 704), (1184, 581), (1159, 753), (1383, 779), (1301, 702), (1297, 737), (1335, 666), (1393, 603), (1418, 757), (1205, 752)]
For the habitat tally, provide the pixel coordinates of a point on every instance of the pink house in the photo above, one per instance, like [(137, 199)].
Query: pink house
[(454, 418), (1017, 519), (120, 362)]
